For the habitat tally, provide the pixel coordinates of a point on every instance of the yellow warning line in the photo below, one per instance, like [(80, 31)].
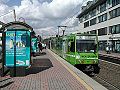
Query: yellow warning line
[(76, 76)]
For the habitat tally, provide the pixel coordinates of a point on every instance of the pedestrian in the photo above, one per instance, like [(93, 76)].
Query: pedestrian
[(107, 49), (40, 46)]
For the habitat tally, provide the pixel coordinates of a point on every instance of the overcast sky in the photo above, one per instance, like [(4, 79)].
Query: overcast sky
[(43, 15)]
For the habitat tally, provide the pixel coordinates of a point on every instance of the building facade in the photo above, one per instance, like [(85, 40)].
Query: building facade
[(102, 17)]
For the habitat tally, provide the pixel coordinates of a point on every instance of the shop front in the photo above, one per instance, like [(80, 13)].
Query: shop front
[(102, 45), (115, 44)]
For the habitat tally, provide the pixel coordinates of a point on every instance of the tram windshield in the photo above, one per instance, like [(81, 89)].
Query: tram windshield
[(86, 46)]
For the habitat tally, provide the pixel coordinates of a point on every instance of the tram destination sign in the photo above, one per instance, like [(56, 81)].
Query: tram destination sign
[(86, 37), (17, 48)]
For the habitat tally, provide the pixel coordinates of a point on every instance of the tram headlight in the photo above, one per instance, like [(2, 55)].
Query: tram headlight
[(81, 61), (77, 57), (94, 61)]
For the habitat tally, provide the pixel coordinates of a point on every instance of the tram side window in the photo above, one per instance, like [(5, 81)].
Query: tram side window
[(72, 47)]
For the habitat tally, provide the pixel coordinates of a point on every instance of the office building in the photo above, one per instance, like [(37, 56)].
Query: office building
[(102, 17)]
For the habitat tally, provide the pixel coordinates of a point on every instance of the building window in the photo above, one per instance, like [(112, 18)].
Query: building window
[(118, 11), (93, 13), (102, 31), (93, 32), (93, 22), (114, 13), (102, 45), (81, 19), (118, 29), (102, 7), (102, 18), (114, 29), (109, 2), (86, 24), (86, 17), (87, 32), (115, 2)]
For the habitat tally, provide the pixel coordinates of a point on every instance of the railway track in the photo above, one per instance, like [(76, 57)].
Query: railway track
[(109, 75), (106, 83), (110, 58)]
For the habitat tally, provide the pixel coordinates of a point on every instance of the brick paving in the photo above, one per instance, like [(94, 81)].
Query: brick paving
[(46, 73)]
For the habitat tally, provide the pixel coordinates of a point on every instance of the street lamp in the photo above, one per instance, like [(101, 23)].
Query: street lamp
[(63, 29), (21, 18), (63, 32)]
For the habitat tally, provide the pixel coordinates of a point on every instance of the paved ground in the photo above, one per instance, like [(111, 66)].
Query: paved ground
[(109, 75), (46, 73)]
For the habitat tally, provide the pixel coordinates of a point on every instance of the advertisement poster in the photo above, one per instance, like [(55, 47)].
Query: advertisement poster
[(17, 47), (34, 45)]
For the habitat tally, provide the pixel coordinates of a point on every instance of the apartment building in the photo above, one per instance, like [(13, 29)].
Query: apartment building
[(102, 17)]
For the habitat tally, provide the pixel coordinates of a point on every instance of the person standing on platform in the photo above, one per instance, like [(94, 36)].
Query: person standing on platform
[(40, 46), (107, 49)]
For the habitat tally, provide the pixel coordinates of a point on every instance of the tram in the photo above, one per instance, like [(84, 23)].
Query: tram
[(80, 50)]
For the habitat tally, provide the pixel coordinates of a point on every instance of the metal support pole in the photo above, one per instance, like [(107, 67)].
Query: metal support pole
[(63, 32), (58, 31), (15, 56), (63, 29), (14, 14)]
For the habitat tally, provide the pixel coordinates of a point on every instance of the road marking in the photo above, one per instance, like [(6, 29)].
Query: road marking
[(75, 75), (110, 62)]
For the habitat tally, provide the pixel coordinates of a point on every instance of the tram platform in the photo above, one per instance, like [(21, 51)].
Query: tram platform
[(111, 57), (50, 72), (110, 54)]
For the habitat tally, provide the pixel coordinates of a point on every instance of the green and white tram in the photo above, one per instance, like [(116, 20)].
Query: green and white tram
[(81, 50)]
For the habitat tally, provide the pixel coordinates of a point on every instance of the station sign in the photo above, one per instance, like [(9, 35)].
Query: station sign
[(17, 48)]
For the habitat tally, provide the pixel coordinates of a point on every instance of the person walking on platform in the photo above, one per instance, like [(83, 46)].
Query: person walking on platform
[(40, 46), (107, 49)]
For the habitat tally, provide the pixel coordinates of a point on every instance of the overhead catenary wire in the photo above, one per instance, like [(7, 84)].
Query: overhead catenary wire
[(6, 14), (72, 17), (12, 11)]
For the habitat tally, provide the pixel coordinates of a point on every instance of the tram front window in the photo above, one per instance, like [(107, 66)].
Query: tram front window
[(86, 46)]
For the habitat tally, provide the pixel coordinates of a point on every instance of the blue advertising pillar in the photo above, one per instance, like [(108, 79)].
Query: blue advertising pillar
[(17, 47), (34, 44)]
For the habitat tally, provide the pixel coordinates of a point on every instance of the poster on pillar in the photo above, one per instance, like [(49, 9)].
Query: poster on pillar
[(34, 44), (17, 48)]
